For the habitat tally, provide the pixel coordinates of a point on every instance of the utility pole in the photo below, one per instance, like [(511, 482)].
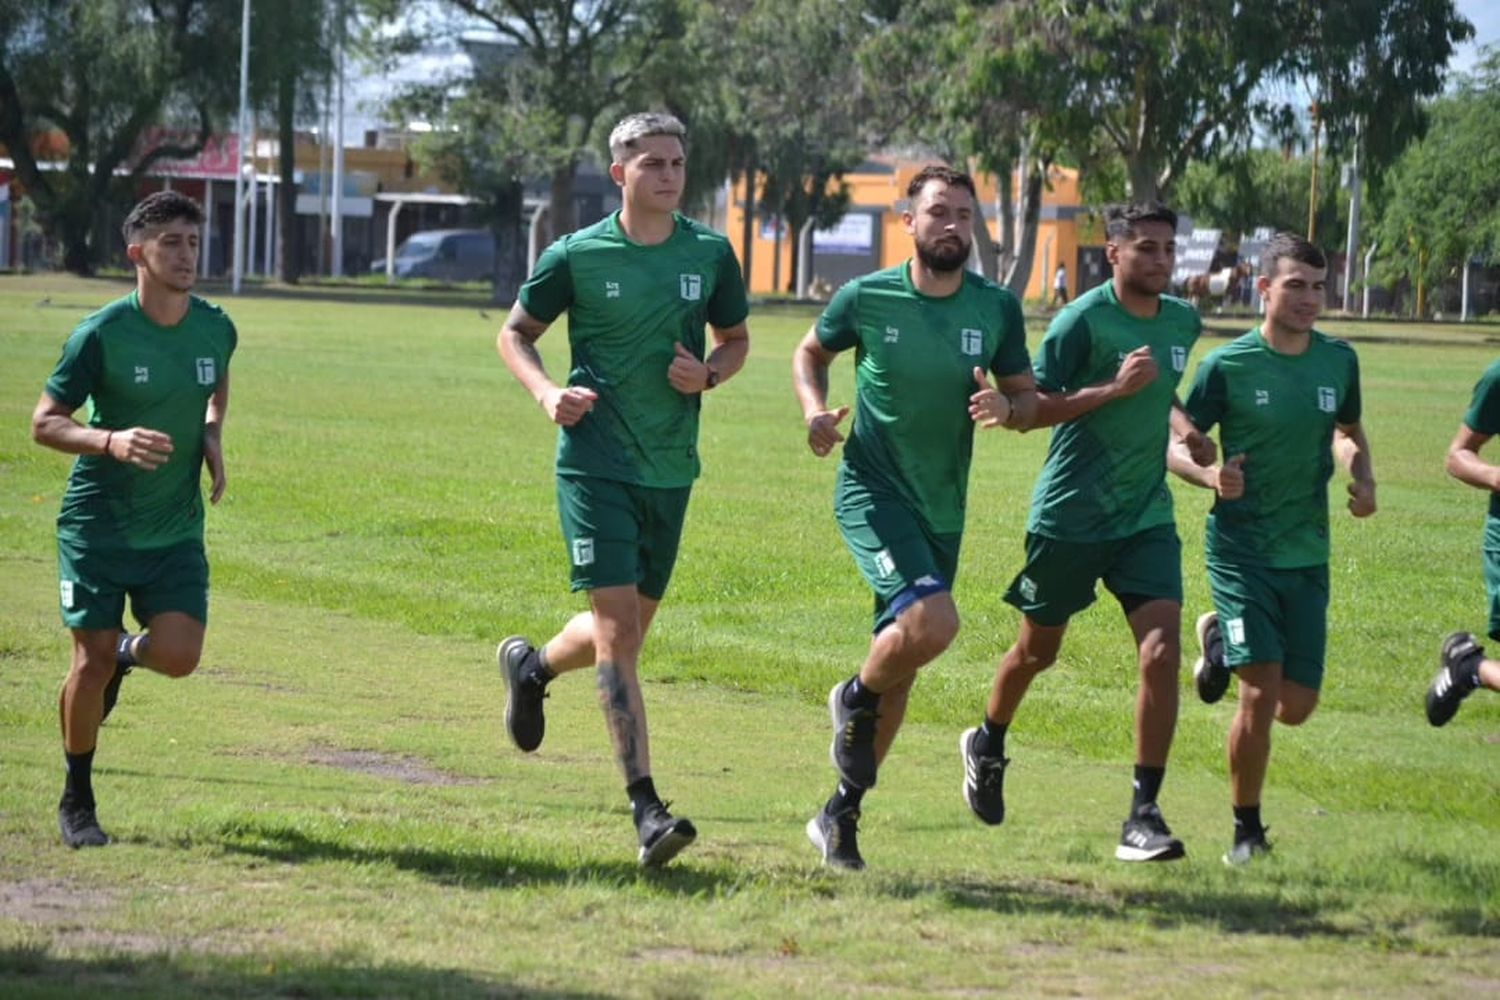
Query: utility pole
[(1351, 245), (238, 273)]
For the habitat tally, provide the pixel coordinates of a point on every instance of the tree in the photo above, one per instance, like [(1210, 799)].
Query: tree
[(1260, 187), (103, 72)]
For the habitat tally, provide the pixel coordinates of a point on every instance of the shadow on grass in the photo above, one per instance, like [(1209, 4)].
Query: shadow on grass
[(34, 972), (471, 869)]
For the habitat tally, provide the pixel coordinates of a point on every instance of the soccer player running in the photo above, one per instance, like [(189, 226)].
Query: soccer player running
[(1464, 665), (1286, 399), (927, 336), (154, 368), (1107, 372), (638, 288)]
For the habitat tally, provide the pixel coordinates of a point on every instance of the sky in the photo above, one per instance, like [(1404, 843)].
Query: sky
[(1485, 16)]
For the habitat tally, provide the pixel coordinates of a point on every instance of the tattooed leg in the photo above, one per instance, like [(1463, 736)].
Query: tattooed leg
[(625, 715)]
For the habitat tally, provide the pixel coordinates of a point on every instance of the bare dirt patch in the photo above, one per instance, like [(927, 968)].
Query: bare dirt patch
[(50, 901), (397, 767)]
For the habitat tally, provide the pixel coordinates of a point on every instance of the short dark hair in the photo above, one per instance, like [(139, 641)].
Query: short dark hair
[(1120, 220), (1291, 245), (940, 172), (157, 210)]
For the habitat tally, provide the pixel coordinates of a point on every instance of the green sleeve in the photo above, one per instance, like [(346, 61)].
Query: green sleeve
[(79, 369), (1206, 399), (1065, 350), (729, 305), (1012, 357), (838, 327), (547, 294), (1484, 411), (1349, 412)]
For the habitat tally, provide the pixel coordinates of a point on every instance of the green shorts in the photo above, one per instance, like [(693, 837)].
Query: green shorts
[(901, 559), (93, 583), (1492, 588), (1273, 616), (1058, 579), (620, 534)]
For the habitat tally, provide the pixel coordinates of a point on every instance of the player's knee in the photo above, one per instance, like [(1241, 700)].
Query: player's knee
[(616, 639), (1160, 656), (92, 671), (1294, 713), (933, 629), (175, 663), (1034, 660)]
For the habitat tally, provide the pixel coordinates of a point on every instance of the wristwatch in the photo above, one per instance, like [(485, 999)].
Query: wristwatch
[(712, 380)]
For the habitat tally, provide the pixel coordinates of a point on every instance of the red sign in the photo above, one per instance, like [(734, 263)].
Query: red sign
[(217, 159)]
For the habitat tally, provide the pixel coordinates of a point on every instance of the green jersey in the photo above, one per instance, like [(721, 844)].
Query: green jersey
[(1105, 474), (1484, 418), (628, 305), (138, 374), (914, 373), (1279, 411)]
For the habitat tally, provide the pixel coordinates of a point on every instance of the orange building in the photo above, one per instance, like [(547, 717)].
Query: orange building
[(871, 236)]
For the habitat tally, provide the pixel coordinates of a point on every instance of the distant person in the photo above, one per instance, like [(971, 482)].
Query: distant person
[(153, 369), (1107, 375), (1464, 665), (1059, 287), (1286, 399), (927, 335), (639, 287)]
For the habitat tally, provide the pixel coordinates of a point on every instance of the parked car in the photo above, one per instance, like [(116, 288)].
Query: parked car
[(445, 255)]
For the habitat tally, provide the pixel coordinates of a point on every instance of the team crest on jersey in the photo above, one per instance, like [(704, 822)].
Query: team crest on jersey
[(1328, 400), (1179, 358), (142, 374), (692, 286), (206, 371), (973, 341)]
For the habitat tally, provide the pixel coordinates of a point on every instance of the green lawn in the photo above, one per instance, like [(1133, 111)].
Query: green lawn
[(330, 806)]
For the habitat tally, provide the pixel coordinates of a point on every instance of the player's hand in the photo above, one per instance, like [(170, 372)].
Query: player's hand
[(1361, 498), (213, 457), (823, 430), (1201, 448), (566, 406), (988, 407), (1137, 371), (140, 447), (687, 374), (1231, 480)]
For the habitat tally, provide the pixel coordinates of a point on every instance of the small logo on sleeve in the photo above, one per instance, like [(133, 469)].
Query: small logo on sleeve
[(692, 287), (611, 289), (206, 371), (142, 374), (892, 335), (1262, 397)]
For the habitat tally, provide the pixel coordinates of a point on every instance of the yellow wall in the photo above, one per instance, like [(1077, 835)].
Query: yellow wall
[(887, 191)]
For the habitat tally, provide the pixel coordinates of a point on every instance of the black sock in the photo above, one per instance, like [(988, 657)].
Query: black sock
[(124, 654), (990, 741), (1246, 822), (1147, 785), (534, 670), (856, 695), (79, 789), (845, 796), (1468, 671), (643, 796)]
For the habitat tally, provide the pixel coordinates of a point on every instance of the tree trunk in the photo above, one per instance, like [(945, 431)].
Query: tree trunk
[(1031, 213), (747, 232), (1005, 193), (510, 245), (563, 219), (985, 248), (289, 234), (1144, 186)]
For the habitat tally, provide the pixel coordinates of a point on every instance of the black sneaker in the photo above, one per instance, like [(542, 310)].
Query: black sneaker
[(984, 780), (1247, 849), (112, 689), (79, 825), (1145, 837), (853, 747), (837, 838), (663, 836), (1210, 674), (1451, 685), (523, 702)]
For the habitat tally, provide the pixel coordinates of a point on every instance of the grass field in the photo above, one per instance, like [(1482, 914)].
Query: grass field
[(329, 807)]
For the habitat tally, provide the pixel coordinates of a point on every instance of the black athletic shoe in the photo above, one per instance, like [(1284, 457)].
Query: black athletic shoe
[(663, 836), (837, 838), (1451, 686), (112, 689), (853, 747), (1247, 849), (79, 825), (1210, 674), (984, 780), (1145, 837), (524, 720)]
